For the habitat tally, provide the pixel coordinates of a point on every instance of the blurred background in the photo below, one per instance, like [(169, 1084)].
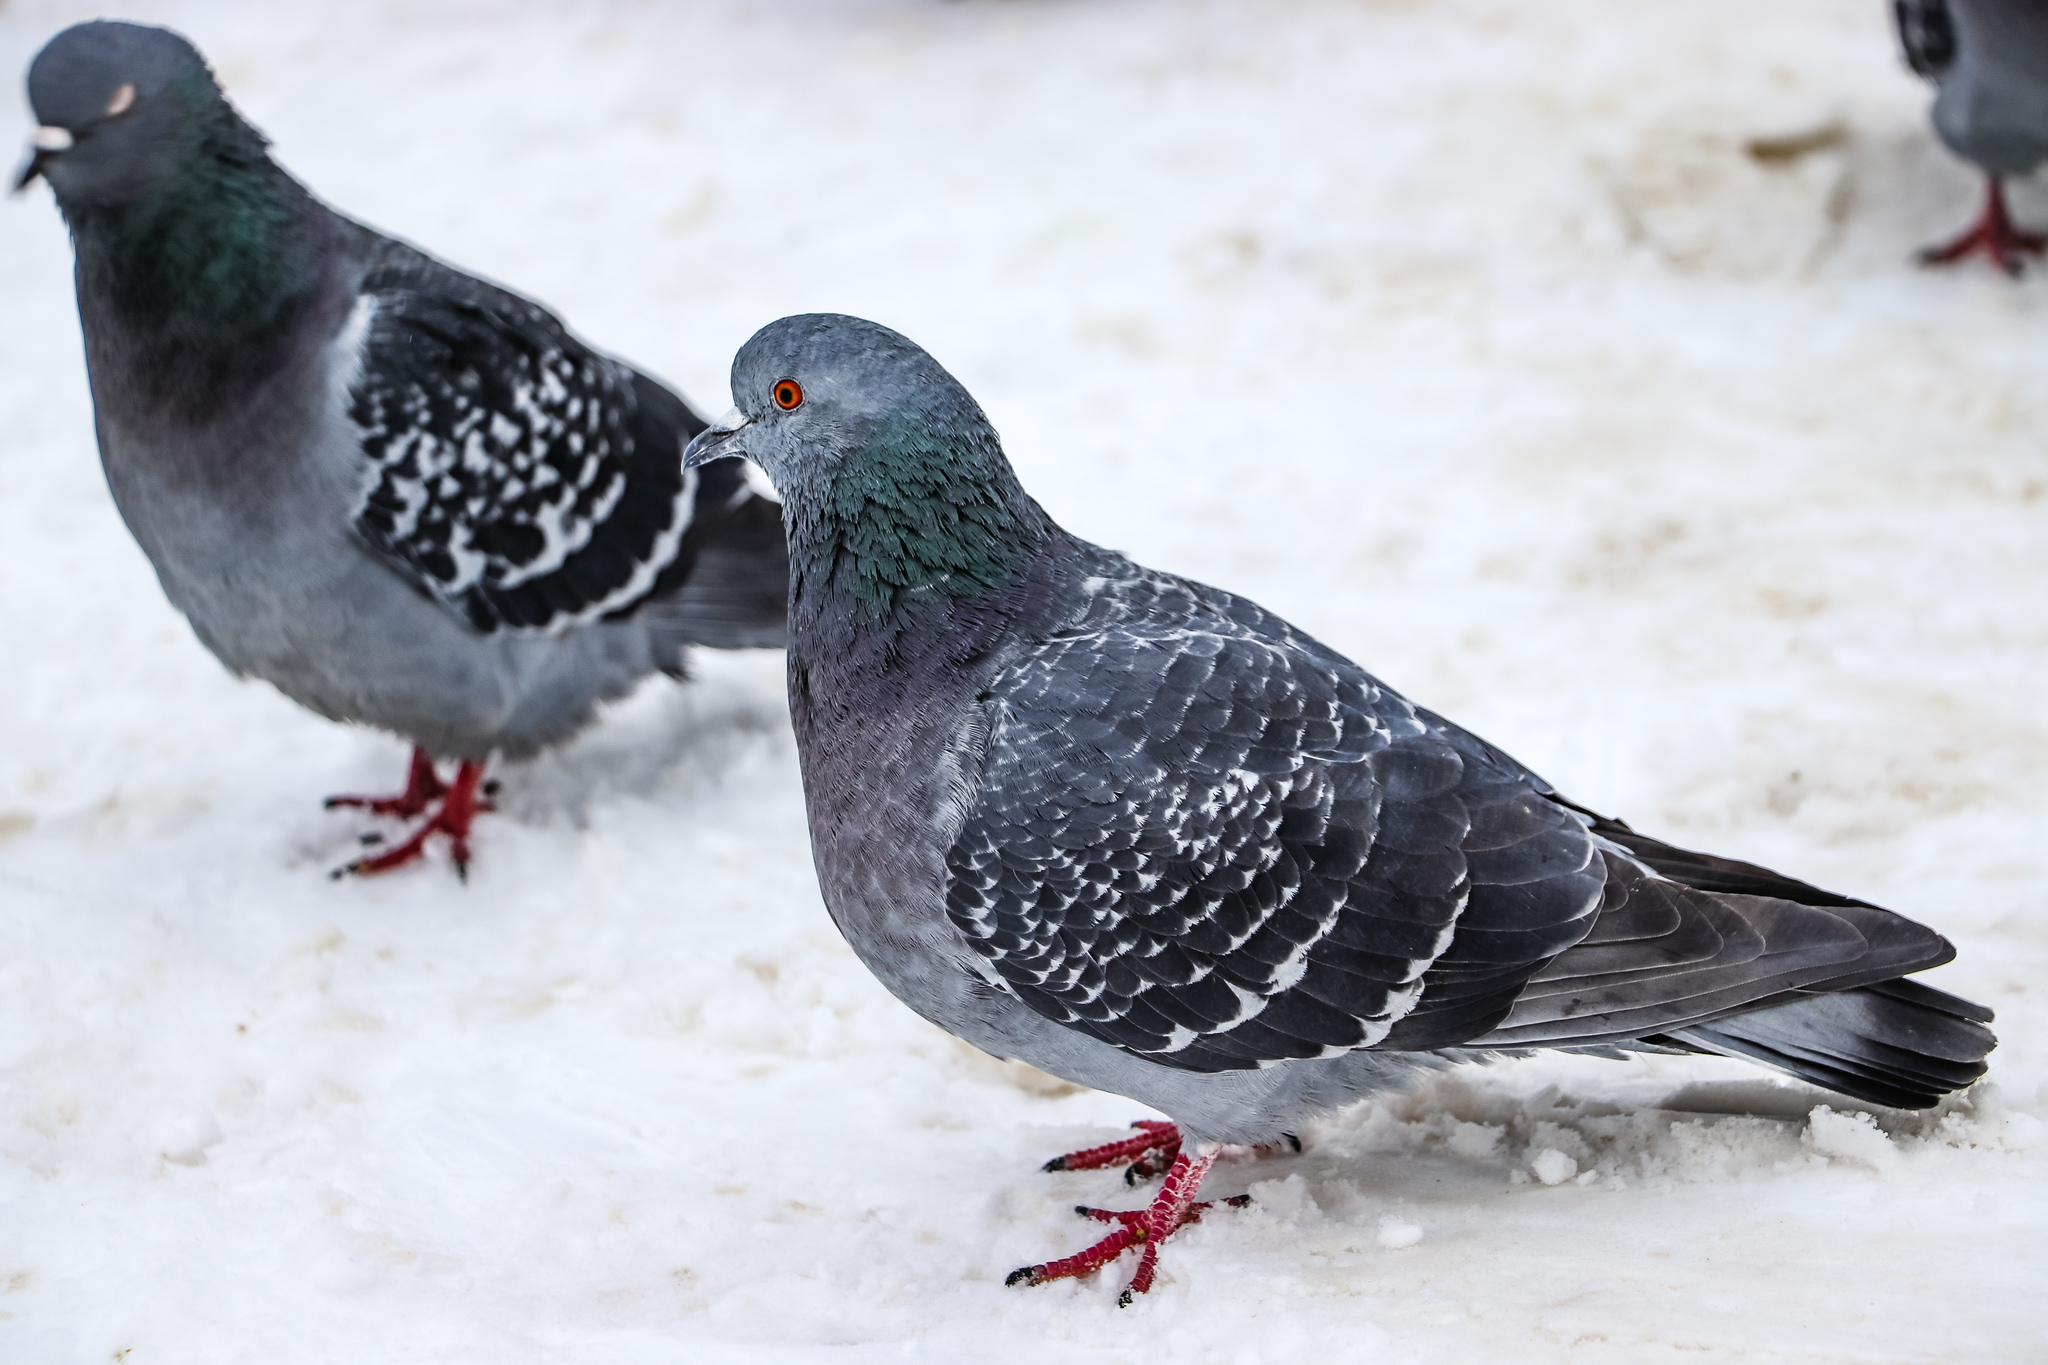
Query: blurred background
[(1564, 364)]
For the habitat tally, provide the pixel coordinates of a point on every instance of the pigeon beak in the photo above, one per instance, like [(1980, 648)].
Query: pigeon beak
[(45, 145), (715, 442)]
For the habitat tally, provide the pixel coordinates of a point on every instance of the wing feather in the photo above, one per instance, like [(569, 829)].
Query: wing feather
[(1927, 35), (1205, 838), (509, 471)]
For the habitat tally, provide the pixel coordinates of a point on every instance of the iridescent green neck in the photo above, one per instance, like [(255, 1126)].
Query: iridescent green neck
[(215, 249), (917, 519)]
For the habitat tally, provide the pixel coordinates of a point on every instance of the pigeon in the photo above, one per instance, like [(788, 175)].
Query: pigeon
[(405, 496), (1145, 835), (1988, 60)]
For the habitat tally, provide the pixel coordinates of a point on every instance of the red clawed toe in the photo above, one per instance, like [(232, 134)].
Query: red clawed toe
[(1994, 234), (1132, 1217), (423, 787), (1171, 1210), (1150, 1153), (457, 810)]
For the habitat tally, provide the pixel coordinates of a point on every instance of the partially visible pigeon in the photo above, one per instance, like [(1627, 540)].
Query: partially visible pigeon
[(405, 496), (1988, 60), (1147, 836)]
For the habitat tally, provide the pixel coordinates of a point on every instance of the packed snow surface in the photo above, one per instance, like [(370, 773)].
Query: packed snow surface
[(1561, 363)]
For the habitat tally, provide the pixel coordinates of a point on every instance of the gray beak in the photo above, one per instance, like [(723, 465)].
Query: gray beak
[(716, 442), (45, 145)]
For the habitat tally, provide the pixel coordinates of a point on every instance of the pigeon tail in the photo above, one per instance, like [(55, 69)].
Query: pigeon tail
[(1927, 35), (1896, 1043), (737, 593)]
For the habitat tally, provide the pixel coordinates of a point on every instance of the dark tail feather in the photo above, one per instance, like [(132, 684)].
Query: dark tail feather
[(1707, 871), (1896, 1043), (728, 586), (737, 593)]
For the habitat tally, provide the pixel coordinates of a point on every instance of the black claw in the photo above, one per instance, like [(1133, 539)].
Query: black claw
[(1058, 1163), (1024, 1275), (1126, 1299), (462, 873), (338, 873), (370, 840), (1239, 1201)]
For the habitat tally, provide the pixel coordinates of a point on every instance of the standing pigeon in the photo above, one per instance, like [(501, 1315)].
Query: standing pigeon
[(1147, 836), (403, 495), (1988, 60)]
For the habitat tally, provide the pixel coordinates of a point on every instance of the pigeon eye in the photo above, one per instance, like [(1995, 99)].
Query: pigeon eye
[(788, 393), (123, 101)]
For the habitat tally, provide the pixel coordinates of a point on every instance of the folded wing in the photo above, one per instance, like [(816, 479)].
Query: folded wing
[(531, 483), (1204, 838)]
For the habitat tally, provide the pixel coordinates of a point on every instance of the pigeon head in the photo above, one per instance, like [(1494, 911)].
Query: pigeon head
[(123, 109), (892, 479), (820, 393)]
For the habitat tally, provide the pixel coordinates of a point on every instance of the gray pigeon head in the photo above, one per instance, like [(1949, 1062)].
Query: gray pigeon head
[(122, 109), (819, 389)]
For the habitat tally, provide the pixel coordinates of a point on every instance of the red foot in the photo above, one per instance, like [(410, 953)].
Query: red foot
[(1153, 1149), (458, 809), (423, 787), (1994, 234), (1130, 1218), (1171, 1210), (1150, 1153)]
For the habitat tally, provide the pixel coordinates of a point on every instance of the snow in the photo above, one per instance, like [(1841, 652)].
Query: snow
[(1562, 363)]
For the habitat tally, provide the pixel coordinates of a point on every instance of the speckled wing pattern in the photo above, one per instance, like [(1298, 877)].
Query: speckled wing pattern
[(1203, 837), (511, 472)]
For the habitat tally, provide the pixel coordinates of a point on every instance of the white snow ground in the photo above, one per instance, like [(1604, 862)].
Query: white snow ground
[(1486, 340)]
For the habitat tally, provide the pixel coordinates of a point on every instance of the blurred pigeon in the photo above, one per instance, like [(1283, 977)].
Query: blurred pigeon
[(405, 496), (1149, 837), (1988, 60)]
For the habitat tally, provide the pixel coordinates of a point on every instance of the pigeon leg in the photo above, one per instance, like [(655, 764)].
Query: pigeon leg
[(1132, 1217), (423, 787), (1172, 1209), (458, 809), (1149, 1153), (1994, 234)]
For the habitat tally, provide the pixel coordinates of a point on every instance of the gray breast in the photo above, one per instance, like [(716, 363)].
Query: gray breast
[(247, 522), (1992, 105)]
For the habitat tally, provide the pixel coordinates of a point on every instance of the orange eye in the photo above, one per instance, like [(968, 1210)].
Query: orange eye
[(788, 393)]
